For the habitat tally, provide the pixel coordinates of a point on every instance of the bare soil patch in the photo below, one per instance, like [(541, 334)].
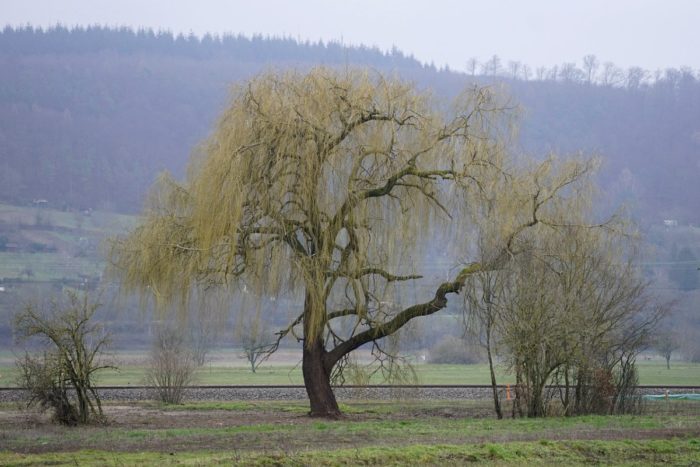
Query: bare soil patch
[(274, 429)]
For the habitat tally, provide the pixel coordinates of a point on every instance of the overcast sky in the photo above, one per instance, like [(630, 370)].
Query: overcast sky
[(648, 33)]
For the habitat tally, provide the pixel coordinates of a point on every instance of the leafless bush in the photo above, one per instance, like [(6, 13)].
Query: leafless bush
[(172, 365), (200, 343), (453, 350), (60, 379), (627, 398), (257, 341)]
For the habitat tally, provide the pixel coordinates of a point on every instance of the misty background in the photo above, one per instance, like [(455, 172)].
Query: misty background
[(89, 115)]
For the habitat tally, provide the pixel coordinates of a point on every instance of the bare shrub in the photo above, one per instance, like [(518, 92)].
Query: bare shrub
[(60, 379), (257, 341), (172, 365), (627, 399), (596, 392), (453, 350)]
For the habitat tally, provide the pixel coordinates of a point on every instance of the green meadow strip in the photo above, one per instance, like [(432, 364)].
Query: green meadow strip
[(628, 452)]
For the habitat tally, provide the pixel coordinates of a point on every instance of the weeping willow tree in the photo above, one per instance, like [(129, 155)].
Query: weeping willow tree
[(333, 185)]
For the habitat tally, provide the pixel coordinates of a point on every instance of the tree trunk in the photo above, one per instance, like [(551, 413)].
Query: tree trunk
[(316, 368), (517, 400), (567, 400), (318, 382), (668, 361), (536, 404), (494, 387)]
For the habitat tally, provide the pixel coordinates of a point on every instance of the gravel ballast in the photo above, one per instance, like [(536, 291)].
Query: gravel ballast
[(269, 393)]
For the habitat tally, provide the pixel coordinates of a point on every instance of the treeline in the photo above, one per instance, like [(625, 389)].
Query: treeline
[(591, 71), (89, 116), (60, 40)]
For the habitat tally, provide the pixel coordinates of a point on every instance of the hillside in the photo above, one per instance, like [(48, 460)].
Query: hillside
[(88, 117), (45, 245)]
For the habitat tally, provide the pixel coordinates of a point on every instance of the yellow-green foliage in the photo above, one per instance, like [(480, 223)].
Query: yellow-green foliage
[(294, 184), (332, 183)]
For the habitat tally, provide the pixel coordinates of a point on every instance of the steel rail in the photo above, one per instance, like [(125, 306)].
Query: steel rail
[(354, 386)]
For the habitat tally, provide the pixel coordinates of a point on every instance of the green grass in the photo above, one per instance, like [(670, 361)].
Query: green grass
[(64, 231), (373, 433), (680, 373), (650, 372), (645, 452), (411, 422), (47, 266), (97, 221)]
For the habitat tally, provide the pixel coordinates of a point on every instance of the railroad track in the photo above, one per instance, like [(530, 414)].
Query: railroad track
[(297, 392)]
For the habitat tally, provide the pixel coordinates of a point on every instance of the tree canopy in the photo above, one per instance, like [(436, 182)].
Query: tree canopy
[(337, 185)]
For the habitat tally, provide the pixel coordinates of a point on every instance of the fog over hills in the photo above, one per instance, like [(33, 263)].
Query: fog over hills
[(89, 116)]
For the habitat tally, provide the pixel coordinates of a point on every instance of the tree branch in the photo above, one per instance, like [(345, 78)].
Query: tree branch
[(438, 302)]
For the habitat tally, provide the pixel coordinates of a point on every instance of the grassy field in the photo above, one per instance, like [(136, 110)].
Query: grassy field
[(627, 452), (372, 433), (47, 266), (55, 245), (95, 221), (227, 367)]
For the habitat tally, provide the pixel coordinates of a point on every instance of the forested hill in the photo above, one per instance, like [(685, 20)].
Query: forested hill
[(88, 117)]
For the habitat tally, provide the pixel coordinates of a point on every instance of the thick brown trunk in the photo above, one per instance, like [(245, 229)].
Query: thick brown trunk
[(316, 369), (318, 382)]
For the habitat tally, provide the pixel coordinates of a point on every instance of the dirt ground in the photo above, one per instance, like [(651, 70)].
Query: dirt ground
[(269, 428), (135, 416)]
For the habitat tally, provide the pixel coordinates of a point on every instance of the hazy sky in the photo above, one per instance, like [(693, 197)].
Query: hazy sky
[(648, 33)]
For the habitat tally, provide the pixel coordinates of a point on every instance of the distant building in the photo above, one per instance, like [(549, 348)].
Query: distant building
[(670, 222)]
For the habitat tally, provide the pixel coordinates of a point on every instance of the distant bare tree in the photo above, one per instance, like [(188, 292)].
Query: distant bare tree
[(492, 67), (570, 73), (665, 343), (514, 68), (202, 332), (472, 65), (612, 75), (635, 77), (257, 340), (540, 73), (590, 66), (172, 364)]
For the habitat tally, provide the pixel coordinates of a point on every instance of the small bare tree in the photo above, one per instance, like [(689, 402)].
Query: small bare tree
[(202, 333), (172, 366), (257, 340), (481, 320), (666, 343), (61, 378)]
